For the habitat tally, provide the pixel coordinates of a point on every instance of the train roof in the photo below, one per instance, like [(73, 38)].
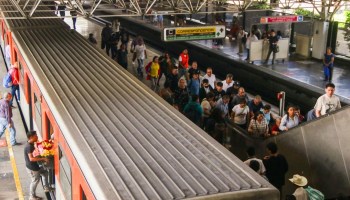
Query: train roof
[(44, 18), (129, 143)]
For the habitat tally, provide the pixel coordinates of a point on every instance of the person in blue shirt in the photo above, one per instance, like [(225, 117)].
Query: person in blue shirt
[(194, 83), (328, 61)]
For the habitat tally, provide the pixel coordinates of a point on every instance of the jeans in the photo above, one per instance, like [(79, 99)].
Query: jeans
[(35, 176), (3, 126), (269, 54), (14, 88), (139, 67)]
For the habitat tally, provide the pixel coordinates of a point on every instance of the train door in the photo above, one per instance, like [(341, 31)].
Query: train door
[(30, 111), (49, 132)]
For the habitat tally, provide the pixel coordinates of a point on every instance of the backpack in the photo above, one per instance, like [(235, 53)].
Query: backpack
[(314, 194), (7, 81)]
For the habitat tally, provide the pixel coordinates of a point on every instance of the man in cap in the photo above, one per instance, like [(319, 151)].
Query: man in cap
[(194, 83)]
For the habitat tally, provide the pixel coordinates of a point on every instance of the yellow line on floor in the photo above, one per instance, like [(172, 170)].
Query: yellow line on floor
[(14, 167)]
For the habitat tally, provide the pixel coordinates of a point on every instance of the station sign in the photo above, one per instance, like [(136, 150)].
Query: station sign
[(281, 19), (193, 33)]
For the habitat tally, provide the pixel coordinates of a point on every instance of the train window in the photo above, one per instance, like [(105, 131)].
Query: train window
[(15, 55), (49, 130), (21, 70), (65, 176), (37, 105)]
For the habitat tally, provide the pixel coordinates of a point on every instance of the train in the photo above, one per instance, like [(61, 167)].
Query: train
[(114, 138)]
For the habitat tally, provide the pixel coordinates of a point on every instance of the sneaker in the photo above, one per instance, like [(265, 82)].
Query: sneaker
[(16, 144), (35, 198)]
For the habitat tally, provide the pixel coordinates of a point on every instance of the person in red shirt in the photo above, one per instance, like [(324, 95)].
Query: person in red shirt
[(183, 63), (14, 72)]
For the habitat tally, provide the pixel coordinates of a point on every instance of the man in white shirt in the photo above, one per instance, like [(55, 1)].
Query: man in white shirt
[(228, 82), (210, 76), (327, 102), (251, 156)]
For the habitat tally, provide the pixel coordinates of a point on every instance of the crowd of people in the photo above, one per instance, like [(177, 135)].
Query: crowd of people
[(206, 101)]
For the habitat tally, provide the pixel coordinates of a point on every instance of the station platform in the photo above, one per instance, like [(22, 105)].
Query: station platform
[(14, 179), (308, 71)]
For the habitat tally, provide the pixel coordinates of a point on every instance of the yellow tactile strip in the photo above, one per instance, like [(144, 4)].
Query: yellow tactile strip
[(14, 167)]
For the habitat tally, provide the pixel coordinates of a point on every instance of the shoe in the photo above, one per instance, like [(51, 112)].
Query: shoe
[(35, 198), (47, 189), (16, 144)]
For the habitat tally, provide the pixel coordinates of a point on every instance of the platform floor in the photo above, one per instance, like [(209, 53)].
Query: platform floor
[(308, 71)]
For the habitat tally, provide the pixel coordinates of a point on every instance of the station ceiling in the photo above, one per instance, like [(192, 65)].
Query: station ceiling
[(24, 9)]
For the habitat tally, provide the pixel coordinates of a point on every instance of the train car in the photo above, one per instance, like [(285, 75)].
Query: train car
[(114, 137)]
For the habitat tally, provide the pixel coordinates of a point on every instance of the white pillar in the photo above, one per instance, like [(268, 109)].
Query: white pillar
[(319, 43)]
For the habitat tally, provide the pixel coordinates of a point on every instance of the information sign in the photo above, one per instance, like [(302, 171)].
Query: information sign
[(281, 19), (193, 33)]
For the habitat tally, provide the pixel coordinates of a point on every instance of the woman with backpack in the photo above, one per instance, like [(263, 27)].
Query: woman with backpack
[(289, 120)]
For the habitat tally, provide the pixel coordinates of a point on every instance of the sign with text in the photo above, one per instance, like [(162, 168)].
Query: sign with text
[(193, 33), (281, 19)]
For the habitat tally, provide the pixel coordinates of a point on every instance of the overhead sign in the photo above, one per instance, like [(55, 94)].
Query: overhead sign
[(281, 19), (193, 33)]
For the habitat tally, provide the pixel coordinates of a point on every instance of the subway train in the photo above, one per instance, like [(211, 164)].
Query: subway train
[(114, 137)]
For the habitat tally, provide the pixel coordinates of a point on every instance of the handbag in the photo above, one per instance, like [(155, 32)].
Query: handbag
[(276, 49)]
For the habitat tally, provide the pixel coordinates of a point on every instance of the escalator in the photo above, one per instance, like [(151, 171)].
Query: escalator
[(319, 150)]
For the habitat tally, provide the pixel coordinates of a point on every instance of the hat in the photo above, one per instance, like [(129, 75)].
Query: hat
[(298, 180)]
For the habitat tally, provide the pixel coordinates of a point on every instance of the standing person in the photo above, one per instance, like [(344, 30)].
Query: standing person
[(241, 40), (300, 182), (160, 20), (218, 91), (251, 38), (183, 62), (194, 83), (181, 95), (92, 39), (114, 44), (165, 63), (124, 37), (240, 114), (193, 110), (205, 89), (74, 15), (122, 56), (289, 120), (5, 118), (258, 126), (191, 70), (106, 36), (210, 76), (273, 40), (328, 61), (251, 156), (276, 166), (14, 72), (222, 104), (173, 79), (32, 166), (325, 104), (255, 105), (62, 9), (228, 82), (140, 55), (154, 72)]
